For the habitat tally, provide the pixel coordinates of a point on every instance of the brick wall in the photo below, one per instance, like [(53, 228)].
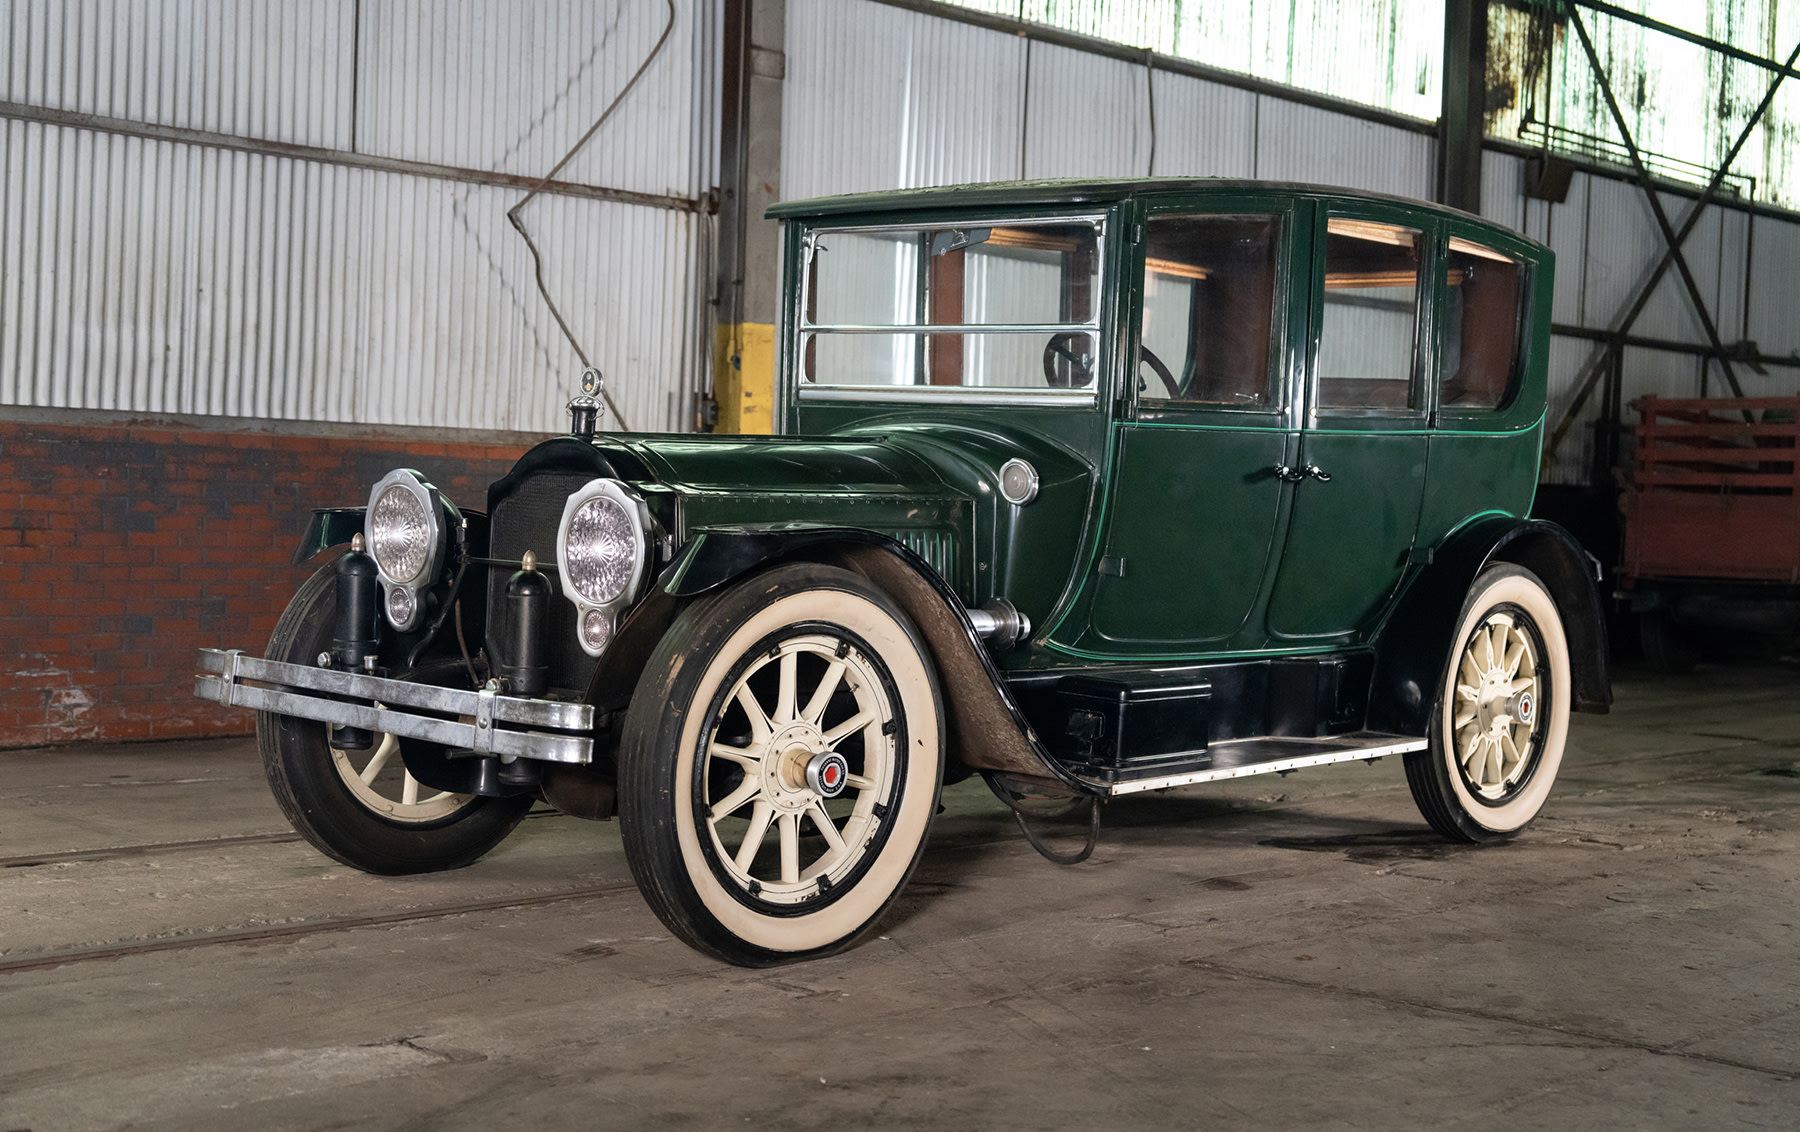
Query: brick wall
[(127, 545)]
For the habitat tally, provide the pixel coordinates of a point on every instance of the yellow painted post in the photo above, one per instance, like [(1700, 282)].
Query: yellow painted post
[(744, 362)]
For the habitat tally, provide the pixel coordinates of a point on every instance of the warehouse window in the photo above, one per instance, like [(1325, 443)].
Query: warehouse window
[(1007, 306), (1369, 324)]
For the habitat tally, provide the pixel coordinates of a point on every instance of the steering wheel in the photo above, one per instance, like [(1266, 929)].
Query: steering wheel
[(1161, 371), (1061, 345)]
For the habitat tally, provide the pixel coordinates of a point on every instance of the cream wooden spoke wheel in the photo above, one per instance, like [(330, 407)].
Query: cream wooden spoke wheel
[(803, 744), (363, 807), (780, 765), (1502, 716), (1493, 712), (383, 784)]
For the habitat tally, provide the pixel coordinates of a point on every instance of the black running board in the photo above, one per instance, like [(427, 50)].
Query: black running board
[(1237, 758)]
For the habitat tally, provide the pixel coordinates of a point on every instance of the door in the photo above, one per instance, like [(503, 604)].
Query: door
[(1195, 507), (1360, 476)]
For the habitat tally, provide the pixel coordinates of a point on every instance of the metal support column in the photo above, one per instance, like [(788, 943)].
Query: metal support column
[(1465, 104), (749, 245)]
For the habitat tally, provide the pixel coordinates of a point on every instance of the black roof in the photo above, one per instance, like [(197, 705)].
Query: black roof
[(1071, 191)]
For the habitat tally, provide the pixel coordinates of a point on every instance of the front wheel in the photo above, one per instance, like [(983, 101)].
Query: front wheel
[(363, 807), (1502, 712), (780, 766)]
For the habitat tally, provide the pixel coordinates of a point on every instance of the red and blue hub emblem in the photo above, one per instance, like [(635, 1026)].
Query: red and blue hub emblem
[(827, 774)]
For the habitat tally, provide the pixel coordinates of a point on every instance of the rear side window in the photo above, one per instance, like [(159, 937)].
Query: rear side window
[(1481, 327), (1369, 328)]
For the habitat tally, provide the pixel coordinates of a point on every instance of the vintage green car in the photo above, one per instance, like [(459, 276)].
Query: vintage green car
[(1092, 488)]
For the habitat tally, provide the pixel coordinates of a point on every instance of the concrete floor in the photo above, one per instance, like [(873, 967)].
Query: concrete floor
[(1277, 953)]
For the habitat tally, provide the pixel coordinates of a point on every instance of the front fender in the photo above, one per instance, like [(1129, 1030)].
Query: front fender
[(988, 731), (1414, 648)]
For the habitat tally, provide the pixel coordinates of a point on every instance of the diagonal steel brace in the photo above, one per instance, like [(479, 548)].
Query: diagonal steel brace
[(1672, 255)]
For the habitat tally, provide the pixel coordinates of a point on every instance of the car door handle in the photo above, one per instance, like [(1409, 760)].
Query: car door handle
[(1295, 475)]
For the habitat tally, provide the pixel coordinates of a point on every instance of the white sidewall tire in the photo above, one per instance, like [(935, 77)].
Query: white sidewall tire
[(1508, 585), (313, 789), (752, 936)]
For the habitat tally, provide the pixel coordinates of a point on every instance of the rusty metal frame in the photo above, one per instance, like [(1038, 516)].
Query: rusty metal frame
[(264, 147), (1597, 367)]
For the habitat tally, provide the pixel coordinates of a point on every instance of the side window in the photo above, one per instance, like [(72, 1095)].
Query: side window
[(1011, 306), (1481, 326), (1369, 327), (1209, 309)]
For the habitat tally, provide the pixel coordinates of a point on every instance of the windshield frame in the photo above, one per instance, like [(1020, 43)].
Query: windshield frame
[(1095, 326)]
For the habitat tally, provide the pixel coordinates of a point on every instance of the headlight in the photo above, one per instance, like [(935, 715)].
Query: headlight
[(405, 530), (603, 549)]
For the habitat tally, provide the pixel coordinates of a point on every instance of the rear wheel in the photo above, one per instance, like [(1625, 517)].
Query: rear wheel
[(1502, 713), (363, 807), (780, 766)]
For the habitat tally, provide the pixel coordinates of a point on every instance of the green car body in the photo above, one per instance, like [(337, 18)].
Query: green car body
[(1119, 573)]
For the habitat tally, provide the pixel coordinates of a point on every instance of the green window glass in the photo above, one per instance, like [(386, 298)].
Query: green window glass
[(1002, 306), (1369, 333), (1209, 303), (1481, 327)]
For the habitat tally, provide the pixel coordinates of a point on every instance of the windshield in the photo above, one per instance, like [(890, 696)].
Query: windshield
[(1007, 306)]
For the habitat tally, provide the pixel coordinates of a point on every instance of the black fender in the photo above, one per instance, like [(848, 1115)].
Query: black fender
[(988, 731), (1414, 647)]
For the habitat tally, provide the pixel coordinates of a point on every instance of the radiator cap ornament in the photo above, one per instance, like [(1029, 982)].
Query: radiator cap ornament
[(584, 411)]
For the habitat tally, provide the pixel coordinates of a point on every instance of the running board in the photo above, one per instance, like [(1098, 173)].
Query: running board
[(1237, 758)]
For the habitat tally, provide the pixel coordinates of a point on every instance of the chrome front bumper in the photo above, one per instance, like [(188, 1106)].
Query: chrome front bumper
[(482, 723)]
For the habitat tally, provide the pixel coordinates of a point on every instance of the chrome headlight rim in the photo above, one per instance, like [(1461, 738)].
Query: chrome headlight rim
[(435, 512), (639, 527)]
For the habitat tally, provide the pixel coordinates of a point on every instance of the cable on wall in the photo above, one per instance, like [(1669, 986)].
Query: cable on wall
[(1150, 93), (537, 259)]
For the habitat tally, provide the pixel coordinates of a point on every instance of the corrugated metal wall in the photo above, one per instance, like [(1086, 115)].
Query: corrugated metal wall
[(170, 276), (883, 97)]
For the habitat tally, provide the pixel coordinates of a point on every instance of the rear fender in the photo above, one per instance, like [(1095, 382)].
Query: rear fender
[(1415, 648), (987, 730)]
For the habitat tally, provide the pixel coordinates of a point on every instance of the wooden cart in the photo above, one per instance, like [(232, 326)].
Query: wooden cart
[(1712, 520)]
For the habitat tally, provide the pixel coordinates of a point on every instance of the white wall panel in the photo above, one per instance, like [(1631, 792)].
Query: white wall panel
[(508, 87), (1670, 312), (156, 276), (1296, 142), (1573, 460), (1503, 189), (276, 71), (881, 98), (1620, 244), (1089, 116), (1774, 283), (1564, 227), (1203, 129)]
